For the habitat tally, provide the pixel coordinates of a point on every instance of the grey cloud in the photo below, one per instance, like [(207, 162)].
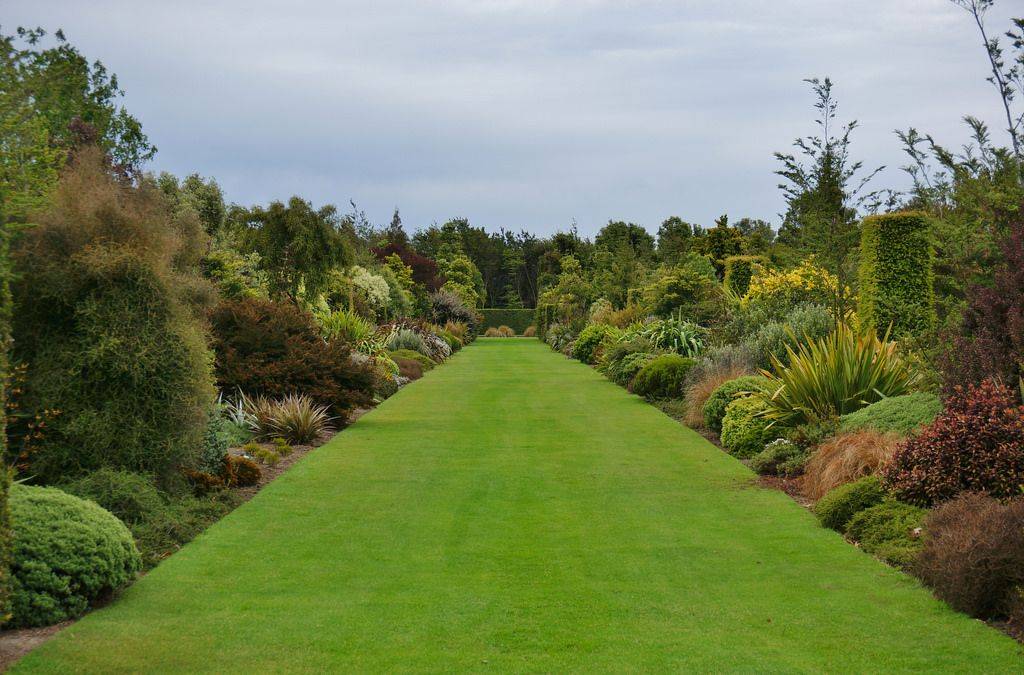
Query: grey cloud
[(523, 114)]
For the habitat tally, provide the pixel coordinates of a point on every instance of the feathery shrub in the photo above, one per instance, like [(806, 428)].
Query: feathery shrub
[(108, 300), (973, 555), (839, 505)]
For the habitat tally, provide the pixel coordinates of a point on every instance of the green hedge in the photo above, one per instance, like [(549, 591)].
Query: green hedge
[(896, 273), (5, 474), (739, 269), (516, 319), (544, 316)]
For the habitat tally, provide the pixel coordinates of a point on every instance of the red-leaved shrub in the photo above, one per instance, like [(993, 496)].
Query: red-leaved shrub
[(973, 555), (975, 445), (991, 339), (274, 349)]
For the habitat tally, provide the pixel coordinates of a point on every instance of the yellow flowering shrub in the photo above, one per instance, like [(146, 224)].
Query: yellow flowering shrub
[(778, 290)]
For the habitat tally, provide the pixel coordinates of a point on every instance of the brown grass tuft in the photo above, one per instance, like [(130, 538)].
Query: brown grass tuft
[(698, 393), (846, 457)]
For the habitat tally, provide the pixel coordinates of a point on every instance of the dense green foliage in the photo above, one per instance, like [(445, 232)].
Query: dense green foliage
[(896, 274), (662, 377), (803, 323), (425, 361), (68, 552), (890, 531), (55, 101), (723, 395), (780, 457), (744, 430), (739, 269), (132, 497), (587, 342), (836, 508), (901, 414), (106, 319)]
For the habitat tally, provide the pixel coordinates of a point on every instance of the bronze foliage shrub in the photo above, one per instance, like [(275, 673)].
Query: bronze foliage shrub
[(973, 556), (108, 305)]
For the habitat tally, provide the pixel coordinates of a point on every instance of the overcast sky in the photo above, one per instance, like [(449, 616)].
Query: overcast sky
[(524, 114)]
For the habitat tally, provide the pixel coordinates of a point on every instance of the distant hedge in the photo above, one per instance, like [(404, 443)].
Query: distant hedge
[(896, 275), (516, 319)]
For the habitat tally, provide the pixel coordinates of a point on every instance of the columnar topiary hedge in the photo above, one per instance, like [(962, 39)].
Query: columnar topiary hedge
[(5, 474), (739, 269), (516, 319), (896, 273)]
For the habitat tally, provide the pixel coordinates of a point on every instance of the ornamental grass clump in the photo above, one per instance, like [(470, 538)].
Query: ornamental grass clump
[(835, 375), (846, 457), (346, 326), (675, 334), (299, 420)]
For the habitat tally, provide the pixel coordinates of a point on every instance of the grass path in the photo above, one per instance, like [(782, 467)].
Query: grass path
[(513, 511)]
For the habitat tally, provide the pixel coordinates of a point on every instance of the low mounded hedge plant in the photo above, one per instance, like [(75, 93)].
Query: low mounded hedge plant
[(714, 407), (662, 377), (744, 431), (589, 339), (836, 508), (425, 361), (890, 531), (68, 553), (780, 458), (899, 414)]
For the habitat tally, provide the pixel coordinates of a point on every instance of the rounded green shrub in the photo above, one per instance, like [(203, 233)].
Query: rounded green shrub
[(890, 531), (662, 377), (780, 458), (838, 506), (900, 414), (744, 432), (419, 358), (714, 407), (589, 339), (132, 497), (68, 552)]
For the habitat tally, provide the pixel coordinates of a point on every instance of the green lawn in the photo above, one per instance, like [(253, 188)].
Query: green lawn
[(513, 511)]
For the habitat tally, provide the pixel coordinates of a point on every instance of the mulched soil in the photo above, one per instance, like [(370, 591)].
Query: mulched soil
[(17, 642)]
